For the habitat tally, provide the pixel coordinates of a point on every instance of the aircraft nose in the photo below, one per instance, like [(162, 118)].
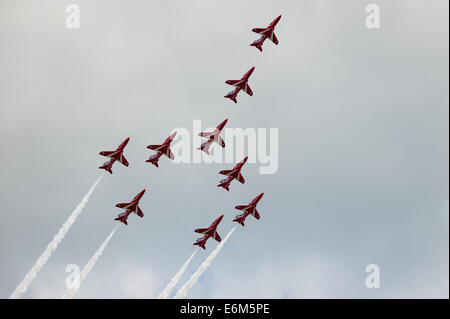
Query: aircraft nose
[(124, 143), (141, 193), (222, 125)]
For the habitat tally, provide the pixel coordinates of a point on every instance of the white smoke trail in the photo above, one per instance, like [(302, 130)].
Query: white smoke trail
[(51, 247), (193, 279), (83, 274), (165, 293)]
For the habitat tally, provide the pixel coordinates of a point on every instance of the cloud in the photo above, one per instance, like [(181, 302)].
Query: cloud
[(363, 144)]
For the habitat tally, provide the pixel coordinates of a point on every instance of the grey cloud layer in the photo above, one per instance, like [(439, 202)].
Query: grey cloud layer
[(363, 141)]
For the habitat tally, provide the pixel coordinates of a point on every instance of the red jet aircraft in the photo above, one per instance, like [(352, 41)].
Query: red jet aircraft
[(234, 173), (241, 84), (164, 148), (213, 136), (266, 33), (116, 155), (211, 231), (131, 207), (248, 209)]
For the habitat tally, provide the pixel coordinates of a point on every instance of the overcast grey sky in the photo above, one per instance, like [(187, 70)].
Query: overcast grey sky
[(363, 127)]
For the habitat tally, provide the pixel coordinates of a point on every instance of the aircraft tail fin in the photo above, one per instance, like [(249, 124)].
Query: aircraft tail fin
[(200, 244), (224, 185), (107, 168), (122, 219), (239, 220), (154, 160), (258, 45), (204, 148), (232, 97)]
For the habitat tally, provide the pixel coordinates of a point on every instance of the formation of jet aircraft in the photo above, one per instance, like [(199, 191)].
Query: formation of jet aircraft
[(211, 231), (242, 84), (235, 173), (211, 137)]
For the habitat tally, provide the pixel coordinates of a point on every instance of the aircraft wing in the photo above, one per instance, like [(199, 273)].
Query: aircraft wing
[(256, 214), (123, 205), (220, 141), (123, 160), (260, 30), (201, 230), (226, 172), (217, 237), (273, 38), (107, 153), (139, 212), (232, 82), (154, 147), (248, 90), (169, 154), (205, 134), (241, 178)]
